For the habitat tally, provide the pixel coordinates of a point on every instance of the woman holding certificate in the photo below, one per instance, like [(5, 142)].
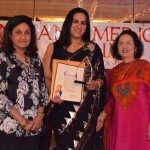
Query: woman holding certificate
[(73, 122)]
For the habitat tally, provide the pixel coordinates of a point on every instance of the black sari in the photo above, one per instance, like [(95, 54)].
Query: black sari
[(74, 123)]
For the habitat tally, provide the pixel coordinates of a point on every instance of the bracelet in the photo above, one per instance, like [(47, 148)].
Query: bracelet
[(26, 124)]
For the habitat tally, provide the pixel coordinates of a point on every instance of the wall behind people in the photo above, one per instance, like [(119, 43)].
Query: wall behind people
[(102, 33)]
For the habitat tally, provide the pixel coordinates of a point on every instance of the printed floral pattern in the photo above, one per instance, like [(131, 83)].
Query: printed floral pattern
[(9, 125), (22, 87)]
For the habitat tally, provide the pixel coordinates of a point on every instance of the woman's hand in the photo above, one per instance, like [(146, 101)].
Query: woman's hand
[(93, 85), (100, 121), (37, 121), (148, 132), (27, 125), (57, 99)]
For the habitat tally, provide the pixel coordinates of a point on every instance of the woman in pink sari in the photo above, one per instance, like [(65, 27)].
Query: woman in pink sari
[(127, 112)]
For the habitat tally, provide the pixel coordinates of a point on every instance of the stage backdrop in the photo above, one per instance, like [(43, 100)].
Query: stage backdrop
[(102, 34)]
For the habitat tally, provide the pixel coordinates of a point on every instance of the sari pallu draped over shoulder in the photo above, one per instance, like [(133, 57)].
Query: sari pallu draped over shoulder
[(73, 123)]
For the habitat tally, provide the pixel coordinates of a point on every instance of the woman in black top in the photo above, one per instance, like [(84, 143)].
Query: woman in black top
[(23, 93), (74, 44)]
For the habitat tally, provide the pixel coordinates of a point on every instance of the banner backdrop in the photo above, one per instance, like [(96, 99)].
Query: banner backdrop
[(103, 34)]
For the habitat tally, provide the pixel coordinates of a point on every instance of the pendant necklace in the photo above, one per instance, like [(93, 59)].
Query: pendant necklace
[(22, 56), (27, 60)]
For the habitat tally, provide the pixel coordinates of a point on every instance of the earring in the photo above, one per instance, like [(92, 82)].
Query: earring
[(135, 52)]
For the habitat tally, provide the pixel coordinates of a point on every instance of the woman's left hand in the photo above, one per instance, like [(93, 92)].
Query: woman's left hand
[(148, 132), (93, 85)]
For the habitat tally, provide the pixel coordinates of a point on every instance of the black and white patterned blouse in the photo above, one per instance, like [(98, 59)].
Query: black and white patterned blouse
[(22, 87)]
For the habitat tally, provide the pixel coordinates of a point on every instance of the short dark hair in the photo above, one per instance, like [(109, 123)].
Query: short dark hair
[(138, 44), (7, 44), (64, 38)]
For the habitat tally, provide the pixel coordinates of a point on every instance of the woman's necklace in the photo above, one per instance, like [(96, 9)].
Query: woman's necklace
[(126, 71), (74, 46), (22, 57), (27, 60)]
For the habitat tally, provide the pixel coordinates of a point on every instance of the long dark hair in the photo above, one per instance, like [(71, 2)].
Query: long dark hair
[(7, 44), (64, 38)]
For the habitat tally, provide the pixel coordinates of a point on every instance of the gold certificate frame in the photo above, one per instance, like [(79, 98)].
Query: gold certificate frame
[(64, 73)]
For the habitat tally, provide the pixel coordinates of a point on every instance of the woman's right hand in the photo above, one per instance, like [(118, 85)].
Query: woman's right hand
[(27, 125), (56, 99), (100, 121)]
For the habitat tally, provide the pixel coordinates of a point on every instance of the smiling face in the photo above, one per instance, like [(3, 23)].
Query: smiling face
[(126, 48), (21, 36), (78, 26)]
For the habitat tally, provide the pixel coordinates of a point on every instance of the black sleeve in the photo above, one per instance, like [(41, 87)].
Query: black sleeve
[(99, 73), (98, 63)]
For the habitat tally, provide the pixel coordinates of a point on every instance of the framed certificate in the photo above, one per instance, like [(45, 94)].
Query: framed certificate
[(64, 73)]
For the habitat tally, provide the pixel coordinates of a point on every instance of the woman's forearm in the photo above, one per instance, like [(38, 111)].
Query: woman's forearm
[(18, 117), (48, 83)]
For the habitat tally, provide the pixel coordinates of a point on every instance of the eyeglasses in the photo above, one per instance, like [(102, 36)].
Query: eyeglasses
[(128, 44)]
